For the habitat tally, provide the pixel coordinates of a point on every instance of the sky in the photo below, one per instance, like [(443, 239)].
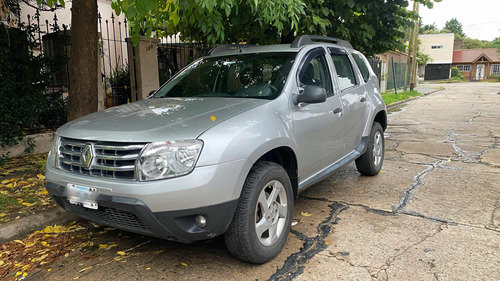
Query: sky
[(480, 19)]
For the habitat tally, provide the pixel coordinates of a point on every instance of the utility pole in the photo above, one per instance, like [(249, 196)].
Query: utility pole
[(413, 77)]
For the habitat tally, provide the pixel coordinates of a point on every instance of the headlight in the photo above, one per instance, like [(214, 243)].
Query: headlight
[(54, 152), (160, 160)]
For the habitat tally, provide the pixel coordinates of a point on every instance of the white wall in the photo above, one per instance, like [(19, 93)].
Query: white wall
[(438, 56)]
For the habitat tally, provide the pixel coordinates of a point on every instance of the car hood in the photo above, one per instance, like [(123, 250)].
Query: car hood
[(157, 119)]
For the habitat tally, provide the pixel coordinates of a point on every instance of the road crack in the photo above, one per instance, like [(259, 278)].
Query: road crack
[(294, 264)]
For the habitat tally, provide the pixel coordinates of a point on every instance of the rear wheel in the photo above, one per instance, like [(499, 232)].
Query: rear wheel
[(370, 163), (262, 220)]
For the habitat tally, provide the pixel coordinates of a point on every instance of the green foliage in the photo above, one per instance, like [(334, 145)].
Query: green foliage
[(390, 97), (4, 158), (22, 85), (31, 142), (24, 102), (371, 26), (469, 43), (428, 29), (455, 72), (494, 76), (120, 83), (120, 77), (424, 59), (454, 26)]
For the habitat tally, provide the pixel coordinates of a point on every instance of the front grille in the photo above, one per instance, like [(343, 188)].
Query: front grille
[(108, 216), (110, 159)]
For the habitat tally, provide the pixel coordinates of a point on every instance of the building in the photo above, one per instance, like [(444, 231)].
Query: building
[(477, 64), (439, 47)]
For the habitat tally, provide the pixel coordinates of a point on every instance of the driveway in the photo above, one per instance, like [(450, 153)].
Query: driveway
[(432, 214)]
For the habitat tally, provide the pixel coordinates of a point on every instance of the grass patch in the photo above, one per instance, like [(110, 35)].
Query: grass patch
[(6, 201), (390, 97)]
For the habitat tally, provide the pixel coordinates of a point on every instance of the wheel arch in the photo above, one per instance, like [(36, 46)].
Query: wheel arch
[(286, 158), (381, 118)]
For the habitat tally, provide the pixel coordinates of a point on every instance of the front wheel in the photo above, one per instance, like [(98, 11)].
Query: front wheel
[(262, 220), (370, 163)]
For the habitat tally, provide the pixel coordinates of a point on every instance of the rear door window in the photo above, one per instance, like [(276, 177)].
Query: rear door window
[(345, 72), (363, 68)]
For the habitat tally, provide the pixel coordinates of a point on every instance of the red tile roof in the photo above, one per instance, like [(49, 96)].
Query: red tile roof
[(471, 55)]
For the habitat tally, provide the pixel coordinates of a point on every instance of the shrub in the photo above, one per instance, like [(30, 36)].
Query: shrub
[(22, 85), (455, 72), (120, 84)]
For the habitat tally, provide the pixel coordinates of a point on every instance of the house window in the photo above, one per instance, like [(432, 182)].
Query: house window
[(436, 46), (464, 67), (495, 69)]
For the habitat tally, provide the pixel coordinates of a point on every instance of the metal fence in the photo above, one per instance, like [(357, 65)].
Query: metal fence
[(174, 54), (52, 40)]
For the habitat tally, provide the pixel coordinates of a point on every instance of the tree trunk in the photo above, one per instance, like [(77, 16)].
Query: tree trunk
[(83, 64)]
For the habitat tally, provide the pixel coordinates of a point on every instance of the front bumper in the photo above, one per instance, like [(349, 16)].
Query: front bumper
[(163, 208), (134, 215)]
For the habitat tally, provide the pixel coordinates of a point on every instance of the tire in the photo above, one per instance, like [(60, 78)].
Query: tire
[(249, 236), (370, 163)]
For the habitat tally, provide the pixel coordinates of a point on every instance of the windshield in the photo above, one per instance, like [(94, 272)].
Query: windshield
[(240, 76)]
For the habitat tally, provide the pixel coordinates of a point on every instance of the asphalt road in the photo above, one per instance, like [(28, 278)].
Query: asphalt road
[(432, 214)]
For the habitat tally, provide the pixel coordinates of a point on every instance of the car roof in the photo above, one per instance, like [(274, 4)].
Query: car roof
[(297, 44)]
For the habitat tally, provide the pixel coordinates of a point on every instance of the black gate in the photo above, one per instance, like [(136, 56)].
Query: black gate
[(437, 71)]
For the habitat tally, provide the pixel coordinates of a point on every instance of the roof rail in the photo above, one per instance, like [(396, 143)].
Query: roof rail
[(227, 47), (308, 39)]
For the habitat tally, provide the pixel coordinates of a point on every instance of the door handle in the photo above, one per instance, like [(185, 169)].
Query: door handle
[(363, 99), (337, 110)]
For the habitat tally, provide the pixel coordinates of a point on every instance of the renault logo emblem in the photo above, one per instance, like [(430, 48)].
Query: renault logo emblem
[(87, 155)]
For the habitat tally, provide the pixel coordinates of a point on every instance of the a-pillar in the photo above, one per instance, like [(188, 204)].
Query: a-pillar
[(143, 64)]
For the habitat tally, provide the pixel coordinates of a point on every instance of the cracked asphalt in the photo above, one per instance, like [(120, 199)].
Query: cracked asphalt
[(432, 214)]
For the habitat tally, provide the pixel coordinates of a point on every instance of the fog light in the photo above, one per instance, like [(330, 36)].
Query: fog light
[(201, 221)]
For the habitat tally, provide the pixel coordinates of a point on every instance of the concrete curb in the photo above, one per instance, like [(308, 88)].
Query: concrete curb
[(400, 103), (18, 229)]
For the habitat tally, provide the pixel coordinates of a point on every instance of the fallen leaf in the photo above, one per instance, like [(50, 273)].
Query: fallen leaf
[(327, 243), (148, 268), (362, 191), (106, 246), (87, 268), (184, 264), (40, 177), (8, 181), (19, 241), (305, 214), (121, 253)]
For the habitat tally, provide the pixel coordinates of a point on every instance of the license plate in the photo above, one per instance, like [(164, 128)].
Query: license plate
[(82, 195)]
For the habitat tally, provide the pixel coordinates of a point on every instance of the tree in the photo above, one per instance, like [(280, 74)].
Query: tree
[(370, 26), (428, 29), (454, 26), (469, 43), (496, 44), (83, 62)]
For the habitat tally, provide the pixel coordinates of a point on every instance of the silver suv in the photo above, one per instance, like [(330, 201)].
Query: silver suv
[(225, 146)]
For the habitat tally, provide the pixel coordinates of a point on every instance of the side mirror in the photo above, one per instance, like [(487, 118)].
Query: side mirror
[(312, 94), (151, 93)]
